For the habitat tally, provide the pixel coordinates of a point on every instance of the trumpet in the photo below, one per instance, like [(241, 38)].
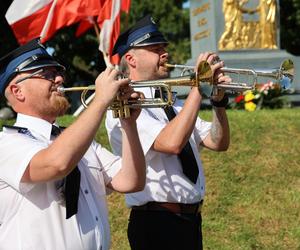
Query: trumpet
[(283, 76), (121, 108), (201, 78)]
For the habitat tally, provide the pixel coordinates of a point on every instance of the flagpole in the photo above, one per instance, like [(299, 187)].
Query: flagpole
[(48, 20), (96, 28), (105, 56), (91, 97), (106, 60), (126, 21)]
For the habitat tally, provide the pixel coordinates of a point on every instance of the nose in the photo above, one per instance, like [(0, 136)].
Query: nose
[(164, 55), (59, 79)]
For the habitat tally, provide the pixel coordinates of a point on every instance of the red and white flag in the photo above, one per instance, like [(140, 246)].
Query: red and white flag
[(42, 18), (109, 22), (85, 25), (34, 18)]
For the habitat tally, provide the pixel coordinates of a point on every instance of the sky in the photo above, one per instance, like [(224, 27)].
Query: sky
[(186, 4)]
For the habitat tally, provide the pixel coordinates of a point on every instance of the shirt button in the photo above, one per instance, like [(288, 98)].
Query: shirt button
[(86, 191), (96, 218)]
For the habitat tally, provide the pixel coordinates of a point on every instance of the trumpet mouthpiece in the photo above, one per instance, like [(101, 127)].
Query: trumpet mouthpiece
[(61, 89), (168, 65)]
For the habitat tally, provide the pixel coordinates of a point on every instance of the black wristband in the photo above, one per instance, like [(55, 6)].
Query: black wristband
[(220, 104)]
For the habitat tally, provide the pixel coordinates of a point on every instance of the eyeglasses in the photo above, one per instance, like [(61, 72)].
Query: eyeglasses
[(48, 75)]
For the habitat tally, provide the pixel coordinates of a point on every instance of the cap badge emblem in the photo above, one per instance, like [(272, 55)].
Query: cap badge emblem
[(152, 20)]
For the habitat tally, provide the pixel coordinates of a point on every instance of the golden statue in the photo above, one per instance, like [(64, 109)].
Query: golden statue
[(239, 34), (233, 24), (267, 11)]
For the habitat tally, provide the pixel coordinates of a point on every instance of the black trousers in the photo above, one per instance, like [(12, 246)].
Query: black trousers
[(164, 230)]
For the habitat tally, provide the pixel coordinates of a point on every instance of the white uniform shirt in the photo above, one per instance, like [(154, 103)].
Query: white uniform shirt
[(33, 216), (165, 181)]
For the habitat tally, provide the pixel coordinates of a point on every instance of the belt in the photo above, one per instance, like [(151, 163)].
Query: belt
[(176, 208)]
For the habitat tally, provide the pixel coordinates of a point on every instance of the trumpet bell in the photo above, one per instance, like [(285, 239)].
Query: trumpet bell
[(287, 70)]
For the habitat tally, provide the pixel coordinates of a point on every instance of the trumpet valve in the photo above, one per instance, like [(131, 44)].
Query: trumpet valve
[(120, 109)]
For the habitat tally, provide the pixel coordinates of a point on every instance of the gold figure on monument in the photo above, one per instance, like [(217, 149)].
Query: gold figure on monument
[(241, 34), (267, 10), (231, 38)]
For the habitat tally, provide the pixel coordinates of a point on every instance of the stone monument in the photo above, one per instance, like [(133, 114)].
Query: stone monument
[(245, 33)]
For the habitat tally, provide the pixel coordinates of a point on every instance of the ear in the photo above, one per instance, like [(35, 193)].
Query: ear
[(130, 59), (16, 91)]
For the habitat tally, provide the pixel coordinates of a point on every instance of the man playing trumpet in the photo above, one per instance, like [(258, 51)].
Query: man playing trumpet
[(166, 214), (53, 183)]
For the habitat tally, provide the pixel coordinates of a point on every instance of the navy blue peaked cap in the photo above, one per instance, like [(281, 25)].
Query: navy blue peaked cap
[(143, 33), (32, 55)]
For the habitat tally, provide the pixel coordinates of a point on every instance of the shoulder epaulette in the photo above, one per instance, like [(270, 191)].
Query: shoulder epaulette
[(20, 130)]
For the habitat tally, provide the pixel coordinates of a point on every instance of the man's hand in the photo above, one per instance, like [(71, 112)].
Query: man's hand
[(218, 75), (134, 112), (107, 86), (213, 60), (218, 94)]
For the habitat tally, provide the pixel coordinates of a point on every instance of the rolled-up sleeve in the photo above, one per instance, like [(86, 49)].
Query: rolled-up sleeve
[(202, 129), (147, 134), (110, 163)]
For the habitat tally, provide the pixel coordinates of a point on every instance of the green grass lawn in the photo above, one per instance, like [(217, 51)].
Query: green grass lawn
[(253, 189)]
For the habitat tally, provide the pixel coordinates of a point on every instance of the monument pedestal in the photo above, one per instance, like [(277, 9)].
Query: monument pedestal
[(208, 25)]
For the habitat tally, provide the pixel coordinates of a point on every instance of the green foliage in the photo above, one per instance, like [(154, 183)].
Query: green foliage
[(80, 55), (8, 41), (289, 25), (253, 191)]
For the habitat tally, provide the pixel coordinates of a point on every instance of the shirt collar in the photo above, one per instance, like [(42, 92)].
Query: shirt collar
[(34, 124), (147, 91)]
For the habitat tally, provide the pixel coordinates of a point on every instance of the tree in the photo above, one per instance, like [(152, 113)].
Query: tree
[(290, 25), (7, 38)]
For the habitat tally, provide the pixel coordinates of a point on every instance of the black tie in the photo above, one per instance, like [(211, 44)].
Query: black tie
[(186, 156), (72, 185)]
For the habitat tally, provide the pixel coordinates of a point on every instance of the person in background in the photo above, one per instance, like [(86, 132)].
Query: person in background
[(53, 182), (166, 214)]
